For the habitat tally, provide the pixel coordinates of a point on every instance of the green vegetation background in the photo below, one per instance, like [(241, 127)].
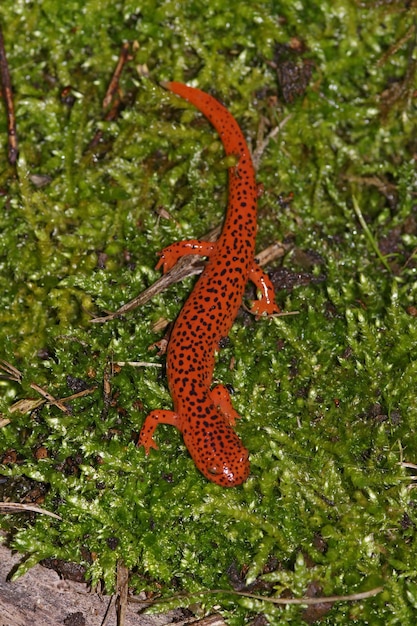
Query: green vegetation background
[(328, 396)]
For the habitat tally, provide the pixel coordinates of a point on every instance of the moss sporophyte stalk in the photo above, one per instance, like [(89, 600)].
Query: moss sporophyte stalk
[(327, 395)]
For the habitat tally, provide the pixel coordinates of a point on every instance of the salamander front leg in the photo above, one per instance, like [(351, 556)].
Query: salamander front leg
[(266, 303), (171, 254), (221, 398), (158, 416)]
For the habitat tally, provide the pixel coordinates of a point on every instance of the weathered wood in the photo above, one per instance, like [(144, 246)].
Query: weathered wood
[(40, 597)]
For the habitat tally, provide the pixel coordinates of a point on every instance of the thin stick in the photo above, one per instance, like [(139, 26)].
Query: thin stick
[(17, 507), (114, 83), (187, 266), (138, 364), (109, 610), (8, 99), (122, 585), (49, 398), (260, 149), (112, 97), (10, 372), (354, 597)]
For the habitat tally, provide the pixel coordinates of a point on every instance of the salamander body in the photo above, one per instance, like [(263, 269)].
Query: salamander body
[(204, 415)]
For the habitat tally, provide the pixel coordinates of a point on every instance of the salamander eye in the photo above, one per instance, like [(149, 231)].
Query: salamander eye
[(214, 469)]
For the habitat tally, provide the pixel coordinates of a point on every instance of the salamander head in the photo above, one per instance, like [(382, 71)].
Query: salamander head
[(222, 458)]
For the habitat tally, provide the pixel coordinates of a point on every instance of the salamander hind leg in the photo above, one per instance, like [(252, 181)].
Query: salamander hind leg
[(171, 254), (158, 416), (266, 303), (221, 398)]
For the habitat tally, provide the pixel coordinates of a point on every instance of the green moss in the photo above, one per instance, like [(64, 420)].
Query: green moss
[(327, 396)]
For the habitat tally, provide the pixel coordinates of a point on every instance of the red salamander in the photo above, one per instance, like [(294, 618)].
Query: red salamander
[(204, 415)]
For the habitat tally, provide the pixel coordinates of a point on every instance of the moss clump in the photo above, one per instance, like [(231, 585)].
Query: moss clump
[(327, 395)]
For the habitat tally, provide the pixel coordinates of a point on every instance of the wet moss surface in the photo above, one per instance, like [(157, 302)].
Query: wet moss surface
[(326, 394)]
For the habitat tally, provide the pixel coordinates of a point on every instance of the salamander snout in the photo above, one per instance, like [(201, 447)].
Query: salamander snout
[(230, 472), (222, 459)]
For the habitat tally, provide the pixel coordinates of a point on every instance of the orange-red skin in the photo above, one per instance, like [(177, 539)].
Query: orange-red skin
[(205, 416)]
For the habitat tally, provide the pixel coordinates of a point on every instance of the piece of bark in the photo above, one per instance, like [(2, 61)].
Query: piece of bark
[(41, 597)]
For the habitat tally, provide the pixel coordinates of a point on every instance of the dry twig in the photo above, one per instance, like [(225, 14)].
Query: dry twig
[(305, 601), (8, 99), (187, 266), (17, 507), (26, 405), (112, 96)]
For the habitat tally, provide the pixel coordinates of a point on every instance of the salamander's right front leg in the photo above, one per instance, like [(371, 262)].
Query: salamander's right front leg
[(158, 416), (171, 254)]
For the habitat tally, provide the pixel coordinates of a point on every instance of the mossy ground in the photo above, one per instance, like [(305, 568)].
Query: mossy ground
[(327, 395)]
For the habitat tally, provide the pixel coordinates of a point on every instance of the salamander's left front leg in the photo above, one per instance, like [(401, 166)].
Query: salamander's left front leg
[(266, 303), (158, 416)]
